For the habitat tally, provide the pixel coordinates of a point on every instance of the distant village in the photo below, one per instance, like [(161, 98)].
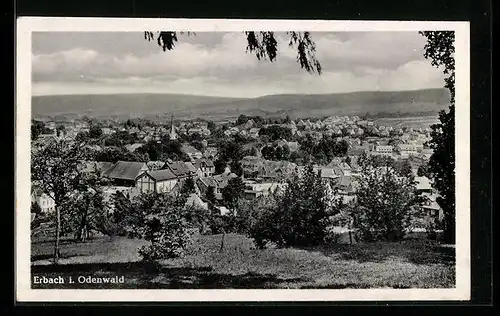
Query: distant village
[(263, 170)]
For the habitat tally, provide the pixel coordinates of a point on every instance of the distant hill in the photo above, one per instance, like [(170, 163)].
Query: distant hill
[(404, 103)]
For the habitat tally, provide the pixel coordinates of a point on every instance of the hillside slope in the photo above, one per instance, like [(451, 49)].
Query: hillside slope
[(418, 102)]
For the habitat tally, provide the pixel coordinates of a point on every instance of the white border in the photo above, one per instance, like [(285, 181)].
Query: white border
[(26, 25)]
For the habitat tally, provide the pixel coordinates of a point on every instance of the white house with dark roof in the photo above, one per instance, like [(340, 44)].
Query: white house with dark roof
[(159, 181), (204, 167)]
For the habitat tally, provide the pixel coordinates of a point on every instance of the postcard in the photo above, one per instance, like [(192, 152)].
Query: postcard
[(222, 160)]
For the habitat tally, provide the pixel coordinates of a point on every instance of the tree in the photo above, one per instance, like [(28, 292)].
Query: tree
[(423, 171), (300, 215), (211, 126), (262, 44), (386, 203), (37, 128), (440, 49), (85, 209), (114, 154), (403, 168), (233, 191), (95, 131), (236, 168), (188, 187), (35, 208), (55, 169), (165, 226), (242, 119), (220, 165), (276, 132), (210, 195), (60, 129)]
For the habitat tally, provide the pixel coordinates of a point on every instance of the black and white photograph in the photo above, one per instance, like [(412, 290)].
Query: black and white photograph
[(255, 156)]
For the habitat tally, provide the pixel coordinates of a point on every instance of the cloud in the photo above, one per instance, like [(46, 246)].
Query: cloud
[(350, 61)]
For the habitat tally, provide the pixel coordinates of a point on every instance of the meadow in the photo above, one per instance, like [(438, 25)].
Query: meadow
[(412, 263)]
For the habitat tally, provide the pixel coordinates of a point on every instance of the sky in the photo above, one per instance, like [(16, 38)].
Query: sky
[(217, 64)]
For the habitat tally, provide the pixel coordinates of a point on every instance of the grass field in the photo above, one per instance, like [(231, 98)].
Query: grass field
[(409, 264)]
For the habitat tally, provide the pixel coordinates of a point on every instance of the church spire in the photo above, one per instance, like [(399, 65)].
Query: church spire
[(173, 134)]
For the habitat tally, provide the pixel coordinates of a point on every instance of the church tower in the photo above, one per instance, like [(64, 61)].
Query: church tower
[(173, 134)]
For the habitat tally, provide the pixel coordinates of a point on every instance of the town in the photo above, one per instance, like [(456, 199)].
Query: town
[(138, 156)]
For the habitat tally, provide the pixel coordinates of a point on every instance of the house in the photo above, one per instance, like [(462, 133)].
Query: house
[(110, 191), (46, 203), (293, 146), (204, 167), (124, 173), (95, 166), (218, 182), (133, 147), (155, 165), (193, 131), (345, 184), (107, 131), (254, 189), (196, 202), (180, 169), (427, 153), (432, 210), (191, 152), (159, 181), (423, 185), (210, 152), (407, 150), (192, 169), (383, 150)]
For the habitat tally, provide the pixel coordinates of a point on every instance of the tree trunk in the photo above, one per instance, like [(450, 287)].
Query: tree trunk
[(449, 229), (58, 233), (222, 241)]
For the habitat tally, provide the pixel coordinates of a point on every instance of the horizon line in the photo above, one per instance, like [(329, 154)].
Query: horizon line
[(232, 97)]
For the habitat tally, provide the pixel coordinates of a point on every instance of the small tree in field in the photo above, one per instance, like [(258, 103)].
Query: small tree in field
[(162, 220), (55, 170), (300, 215), (386, 203)]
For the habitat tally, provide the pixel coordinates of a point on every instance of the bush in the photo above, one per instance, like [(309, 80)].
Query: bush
[(332, 237), (387, 202)]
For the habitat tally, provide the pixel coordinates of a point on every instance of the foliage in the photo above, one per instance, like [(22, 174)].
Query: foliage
[(38, 128), (386, 204), (120, 139), (210, 195), (323, 151), (55, 170), (83, 212), (161, 219), (423, 171), (233, 191), (95, 131), (242, 119), (236, 168), (299, 217), (166, 149), (262, 44), (276, 153), (403, 167), (35, 208), (276, 132), (440, 49), (188, 187), (114, 154)]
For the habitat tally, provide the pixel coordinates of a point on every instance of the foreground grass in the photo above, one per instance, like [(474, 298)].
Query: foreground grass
[(409, 264)]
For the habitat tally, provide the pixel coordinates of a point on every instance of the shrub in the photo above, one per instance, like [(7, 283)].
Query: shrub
[(299, 216), (387, 202)]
